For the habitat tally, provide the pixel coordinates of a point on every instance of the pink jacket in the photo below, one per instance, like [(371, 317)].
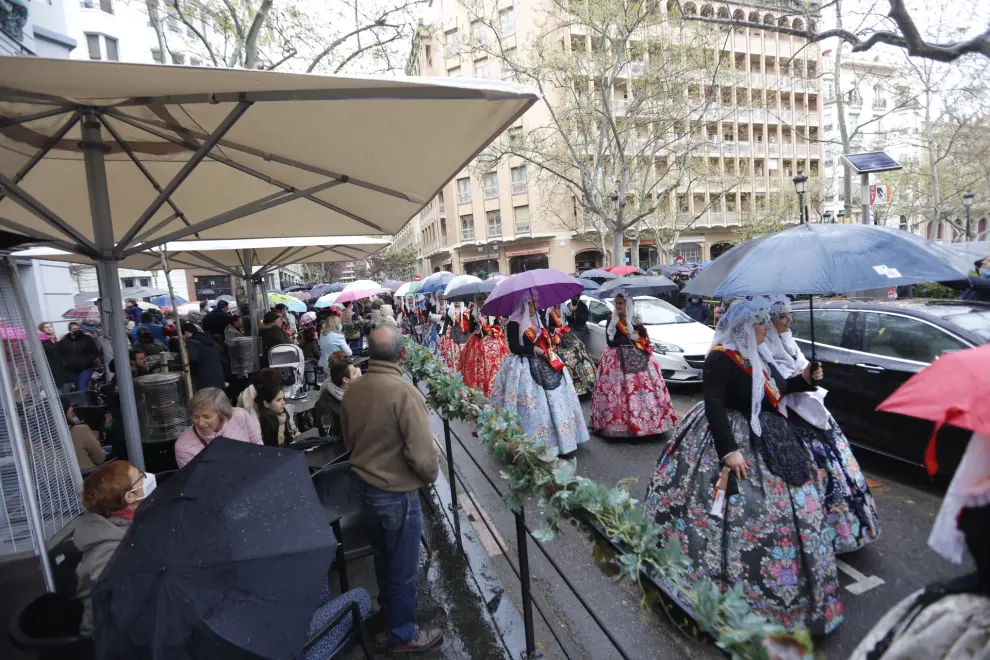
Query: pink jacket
[(241, 426)]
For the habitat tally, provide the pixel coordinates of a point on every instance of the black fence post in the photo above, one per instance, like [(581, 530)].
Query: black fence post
[(532, 652), (453, 483)]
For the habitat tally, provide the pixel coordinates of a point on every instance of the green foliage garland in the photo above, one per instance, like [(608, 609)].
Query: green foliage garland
[(529, 472)]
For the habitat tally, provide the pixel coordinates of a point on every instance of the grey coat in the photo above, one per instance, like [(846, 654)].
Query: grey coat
[(97, 538)]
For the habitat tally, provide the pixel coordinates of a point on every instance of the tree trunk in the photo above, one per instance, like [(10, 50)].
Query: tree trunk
[(840, 110), (618, 249)]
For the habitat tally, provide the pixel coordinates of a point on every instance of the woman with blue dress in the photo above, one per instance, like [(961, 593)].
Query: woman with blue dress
[(534, 383), (431, 339)]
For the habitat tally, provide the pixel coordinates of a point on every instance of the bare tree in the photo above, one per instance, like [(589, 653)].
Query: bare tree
[(627, 95), (900, 31), (318, 35)]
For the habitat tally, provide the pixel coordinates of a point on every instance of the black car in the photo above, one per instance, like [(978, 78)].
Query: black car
[(868, 350)]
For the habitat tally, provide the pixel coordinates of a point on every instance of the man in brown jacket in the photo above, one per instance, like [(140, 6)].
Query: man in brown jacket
[(387, 428)]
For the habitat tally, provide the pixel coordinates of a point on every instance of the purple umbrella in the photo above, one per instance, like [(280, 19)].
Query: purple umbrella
[(551, 287)]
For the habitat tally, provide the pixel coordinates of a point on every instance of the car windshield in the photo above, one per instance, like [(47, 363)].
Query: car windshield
[(658, 312)]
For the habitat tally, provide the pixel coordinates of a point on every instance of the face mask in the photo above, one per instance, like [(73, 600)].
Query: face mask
[(985, 272), (77, 333), (149, 485), (75, 420)]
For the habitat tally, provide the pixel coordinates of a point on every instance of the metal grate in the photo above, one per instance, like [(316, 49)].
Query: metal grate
[(244, 355), (35, 408), (161, 402)]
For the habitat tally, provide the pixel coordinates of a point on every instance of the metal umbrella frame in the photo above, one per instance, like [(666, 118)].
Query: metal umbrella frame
[(152, 135)]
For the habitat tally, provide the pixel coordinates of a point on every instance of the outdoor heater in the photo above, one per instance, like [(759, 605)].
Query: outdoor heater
[(244, 353), (161, 400)]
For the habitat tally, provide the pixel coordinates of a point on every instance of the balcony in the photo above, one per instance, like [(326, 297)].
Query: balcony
[(523, 228), (730, 218), (756, 80), (443, 212), (464, 197), (495, 231), (467, 234), (634, 68), (880, 104), (743, 148), (773, 148), (519, 188), (717, 219), (684, 219), (759, 148)]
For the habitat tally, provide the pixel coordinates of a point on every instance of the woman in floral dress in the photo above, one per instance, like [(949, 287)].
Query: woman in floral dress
[(739, 490), (484, 351), (850, 509), (534, 383), (631, 398), (571, 350), (434, 316), (454, 334)]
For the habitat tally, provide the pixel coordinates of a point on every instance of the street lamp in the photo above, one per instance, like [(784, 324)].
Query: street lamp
[(799, 184), (968, 202)]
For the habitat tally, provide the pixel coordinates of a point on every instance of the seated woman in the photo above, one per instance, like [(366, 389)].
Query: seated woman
[(214, 417), (276, 429), (327, 409), (850, 509), (484, 352), (89, 451), (454, 334), (739, 490), (571, 350), (110, 496), (534, 383), (631, 398)]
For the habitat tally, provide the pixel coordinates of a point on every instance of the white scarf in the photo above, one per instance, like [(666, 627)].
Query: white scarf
[(613, 320), (970, 487), (522, 316)]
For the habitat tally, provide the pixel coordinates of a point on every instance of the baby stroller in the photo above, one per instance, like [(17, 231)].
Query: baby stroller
[(289, 360)]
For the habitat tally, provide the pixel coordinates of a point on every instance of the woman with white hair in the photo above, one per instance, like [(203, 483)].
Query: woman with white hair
[(739, 490), (850, 508), (631, 398), (534, 383), (214, 417)]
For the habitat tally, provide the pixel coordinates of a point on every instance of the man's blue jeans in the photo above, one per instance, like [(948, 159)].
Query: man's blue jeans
[(395, 522), (82, 379)]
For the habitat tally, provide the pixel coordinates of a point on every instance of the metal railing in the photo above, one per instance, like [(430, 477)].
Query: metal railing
[(495, 231)]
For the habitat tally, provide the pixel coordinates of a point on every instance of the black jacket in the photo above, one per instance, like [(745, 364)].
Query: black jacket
[(215, 322), (59, 373), (205, 364), (77, 353), (700, 312), (271, 336), (727, 386)]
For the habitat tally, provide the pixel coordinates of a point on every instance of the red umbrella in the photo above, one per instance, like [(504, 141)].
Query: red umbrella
[(952, 390), (88, 314), (623, 270)]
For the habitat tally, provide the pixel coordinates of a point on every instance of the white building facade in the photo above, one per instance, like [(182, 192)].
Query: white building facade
[(881, 115)]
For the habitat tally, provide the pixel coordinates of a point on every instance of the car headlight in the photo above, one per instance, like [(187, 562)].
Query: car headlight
[(663, 348)]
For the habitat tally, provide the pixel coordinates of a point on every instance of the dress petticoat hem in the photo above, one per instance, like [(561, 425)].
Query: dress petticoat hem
[(628, 405), (480, 361)]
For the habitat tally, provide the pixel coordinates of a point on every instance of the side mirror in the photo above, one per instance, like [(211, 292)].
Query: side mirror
[(603, 324)]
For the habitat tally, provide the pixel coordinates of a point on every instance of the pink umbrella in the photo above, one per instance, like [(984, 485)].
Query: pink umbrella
[(551, 287), (8, 332), (360, 290), (300, 295), (88, 314)]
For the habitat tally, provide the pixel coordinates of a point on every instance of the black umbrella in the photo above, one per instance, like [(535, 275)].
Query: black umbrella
[(825, 259), (637, 285), (224, 561), (597, 274), (467, 292), (336, 287), (206, 292)]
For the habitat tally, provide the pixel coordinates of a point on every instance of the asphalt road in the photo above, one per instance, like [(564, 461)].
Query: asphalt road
[(873, 579)]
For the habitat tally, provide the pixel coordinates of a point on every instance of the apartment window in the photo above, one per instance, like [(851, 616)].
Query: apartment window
[(491, 185), (464, 191), (519, 180), (494, 224), (455, 72), (195, 61), (178, 58), (479, 32), (111, 45), (105, 5), (131, 282), (156, 55), (173, 23), (467, 227), (102, 47), (522, 219), (452, 47), (481, 68), (190, 32), (507, 21), (93, 43), (428, 54)]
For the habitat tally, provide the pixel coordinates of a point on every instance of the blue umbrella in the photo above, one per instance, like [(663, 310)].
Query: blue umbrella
[(320, 290), (435, 282), (467, 292), (637, 285), (825, 259), (336, 287), (165, 301), (597, 274), (590, 286)]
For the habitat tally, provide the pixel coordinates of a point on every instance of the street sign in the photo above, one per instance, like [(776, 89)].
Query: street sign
[(880, 194)]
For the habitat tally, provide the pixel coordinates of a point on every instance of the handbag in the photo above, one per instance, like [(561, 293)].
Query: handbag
[(288, 375)]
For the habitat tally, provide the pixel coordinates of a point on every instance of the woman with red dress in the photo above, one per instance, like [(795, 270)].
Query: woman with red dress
[(631, 398), (455, 333), (484, 351)]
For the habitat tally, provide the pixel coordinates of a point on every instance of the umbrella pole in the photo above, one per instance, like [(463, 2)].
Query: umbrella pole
[(811, 321), (183, 362)]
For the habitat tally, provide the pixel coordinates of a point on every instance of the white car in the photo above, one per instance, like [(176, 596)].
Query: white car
[(680, 343)]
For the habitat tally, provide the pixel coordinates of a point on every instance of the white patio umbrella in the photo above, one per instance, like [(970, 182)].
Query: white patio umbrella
[(108, 159), (360, 289), (404, 290)]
